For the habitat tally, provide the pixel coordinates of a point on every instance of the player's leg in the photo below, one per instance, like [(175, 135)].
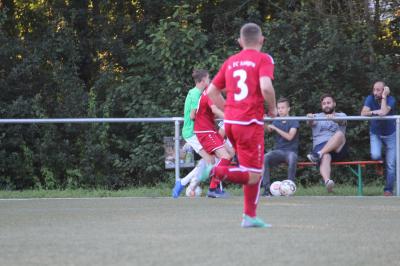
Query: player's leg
[(180, 184), (214, 144), (215, 189), (249, 145), (206, 159)]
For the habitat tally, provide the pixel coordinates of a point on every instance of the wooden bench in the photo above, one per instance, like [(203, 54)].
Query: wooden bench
[(356, 171)]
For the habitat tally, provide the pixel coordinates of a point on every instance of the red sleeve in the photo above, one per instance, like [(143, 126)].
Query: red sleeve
[(219, 79), (267, 66)]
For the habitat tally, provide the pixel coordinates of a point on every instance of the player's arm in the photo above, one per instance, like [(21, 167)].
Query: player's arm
[(385, 107), (216, 111), (216, 97), (268, 92), (310, 122), (341, 122), (366, 111), (268, 127), (193, 114), (286, 135)]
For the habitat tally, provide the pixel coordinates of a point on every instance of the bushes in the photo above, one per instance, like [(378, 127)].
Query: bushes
[(128, 59)]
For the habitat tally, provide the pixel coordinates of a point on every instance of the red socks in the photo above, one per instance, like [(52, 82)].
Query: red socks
[(214, 183), (223, 171), (251, 199)]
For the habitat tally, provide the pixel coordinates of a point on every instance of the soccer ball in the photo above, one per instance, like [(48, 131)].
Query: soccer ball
[(275, 188), (193, 193), (287, 188)]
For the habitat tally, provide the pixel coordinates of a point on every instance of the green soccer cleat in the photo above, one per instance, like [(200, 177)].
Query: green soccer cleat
[(248, 222)]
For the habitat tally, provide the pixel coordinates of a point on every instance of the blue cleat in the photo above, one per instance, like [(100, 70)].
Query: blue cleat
[(217, 193), (248, 222), (177, 189)]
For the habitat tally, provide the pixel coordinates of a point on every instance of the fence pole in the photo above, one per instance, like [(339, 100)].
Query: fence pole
[(177, 140), (397, 156)]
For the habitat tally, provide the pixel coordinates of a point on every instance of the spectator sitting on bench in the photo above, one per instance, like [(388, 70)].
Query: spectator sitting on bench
[(329, 140), (286, 145)]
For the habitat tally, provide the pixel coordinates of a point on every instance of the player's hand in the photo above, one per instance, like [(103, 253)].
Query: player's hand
[(272, 112), (330, 116), (386, 91), (310, 115)]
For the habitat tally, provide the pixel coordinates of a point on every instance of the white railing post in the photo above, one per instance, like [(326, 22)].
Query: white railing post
[(177, 141), (397, 156)]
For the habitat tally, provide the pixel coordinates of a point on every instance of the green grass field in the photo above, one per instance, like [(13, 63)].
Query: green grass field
[(310, 231), (164, 190)]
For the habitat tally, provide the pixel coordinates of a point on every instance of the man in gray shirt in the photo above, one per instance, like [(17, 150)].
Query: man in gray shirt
[(329, 140)]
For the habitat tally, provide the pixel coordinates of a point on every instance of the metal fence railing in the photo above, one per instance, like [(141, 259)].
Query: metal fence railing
[(178, 120)]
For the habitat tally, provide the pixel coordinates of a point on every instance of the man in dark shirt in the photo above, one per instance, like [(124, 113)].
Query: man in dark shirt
[(286, 145)]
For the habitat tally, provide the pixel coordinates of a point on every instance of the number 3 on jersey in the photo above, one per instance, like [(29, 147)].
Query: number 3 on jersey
[(244, 90)]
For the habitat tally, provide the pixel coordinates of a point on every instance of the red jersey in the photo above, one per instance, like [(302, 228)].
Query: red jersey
[(204, 121), (240, 76)]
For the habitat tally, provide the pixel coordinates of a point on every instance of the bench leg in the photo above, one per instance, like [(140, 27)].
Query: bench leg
[(358, 172), (360, 182)]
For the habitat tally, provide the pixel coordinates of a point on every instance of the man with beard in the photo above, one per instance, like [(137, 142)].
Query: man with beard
[(329, 140), (382, 132)]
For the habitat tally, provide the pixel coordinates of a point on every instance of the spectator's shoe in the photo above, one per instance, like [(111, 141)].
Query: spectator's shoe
[(248, 222), (387, 193), (329, 184), (217, 193), (314, 157), (266, 193), (176, 191)]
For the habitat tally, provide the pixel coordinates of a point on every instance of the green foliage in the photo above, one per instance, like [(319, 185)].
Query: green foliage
[(135, 59)]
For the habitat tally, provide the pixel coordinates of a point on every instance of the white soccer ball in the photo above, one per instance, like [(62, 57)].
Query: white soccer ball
[(287, 188), (193, 193), (275, 188)]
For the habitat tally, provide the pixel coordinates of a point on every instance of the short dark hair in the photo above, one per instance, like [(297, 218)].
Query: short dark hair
[(250, 32), (199, 74), (283, 100), (326, 95)]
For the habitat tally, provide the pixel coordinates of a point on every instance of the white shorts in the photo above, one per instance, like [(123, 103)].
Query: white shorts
[(194, 143)]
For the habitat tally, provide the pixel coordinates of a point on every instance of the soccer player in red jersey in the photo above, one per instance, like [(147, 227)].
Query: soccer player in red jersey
[(247, 79), (209, 137)]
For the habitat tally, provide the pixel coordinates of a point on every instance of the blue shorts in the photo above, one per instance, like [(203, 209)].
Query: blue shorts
[(336, 156)]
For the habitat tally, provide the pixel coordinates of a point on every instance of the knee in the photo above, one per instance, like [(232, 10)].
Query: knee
[(267, 158), (326, 159), (340, 134), (292, 158), (391, 165), (376, 155), (254, 178)]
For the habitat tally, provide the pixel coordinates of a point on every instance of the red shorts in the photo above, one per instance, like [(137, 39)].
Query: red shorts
[(248, 142), (211, 141)]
